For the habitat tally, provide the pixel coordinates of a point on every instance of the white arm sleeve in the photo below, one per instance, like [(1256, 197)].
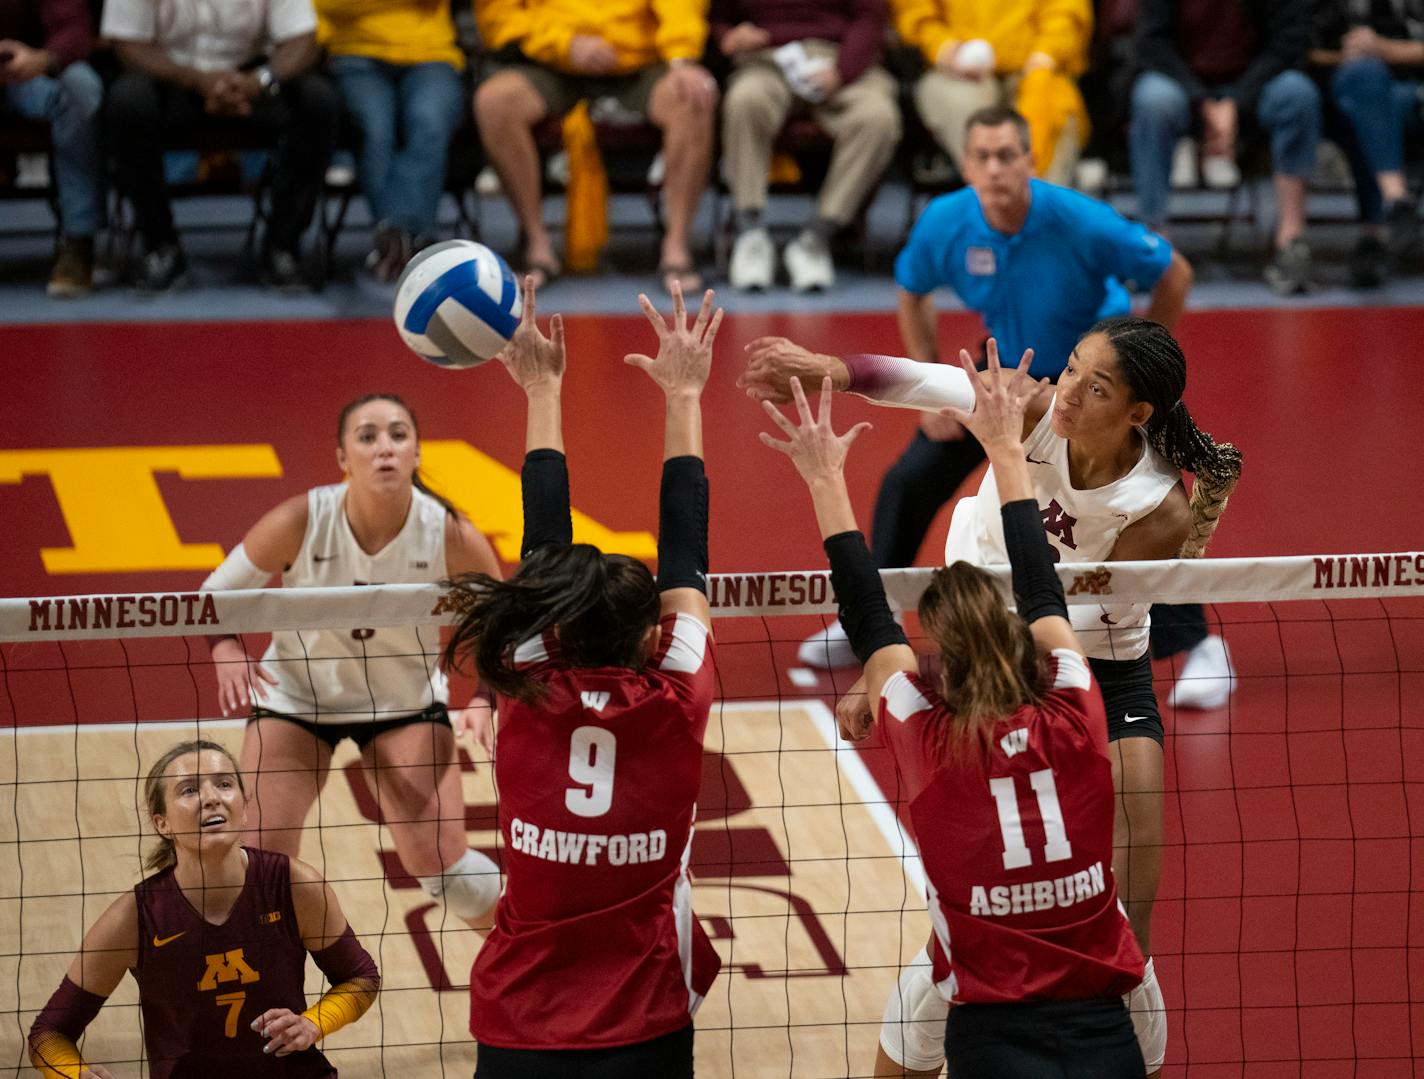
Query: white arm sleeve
[(904, 383), (237, 571)]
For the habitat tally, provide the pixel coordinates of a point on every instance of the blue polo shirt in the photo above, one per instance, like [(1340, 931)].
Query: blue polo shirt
[(1044, 286)]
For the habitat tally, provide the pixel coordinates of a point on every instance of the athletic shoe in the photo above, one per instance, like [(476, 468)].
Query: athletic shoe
[(828, 650), (1184, 166), (282, 270), (1289, 272), (1369, 263), (161, 270), (392, 251), (1220, 173), (753, 260), (1208, 678), (73, 272), (808, 262), (1403, 218)]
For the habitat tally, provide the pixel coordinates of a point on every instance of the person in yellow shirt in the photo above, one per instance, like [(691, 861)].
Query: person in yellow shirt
[(643, 54), (1023, 53), (399, 73)]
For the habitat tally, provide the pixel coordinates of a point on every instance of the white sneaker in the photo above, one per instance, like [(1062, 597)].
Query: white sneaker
[(828, 650), (1208, 678), (753, 260), (1220, 173), (1184, 165), (808, 262)]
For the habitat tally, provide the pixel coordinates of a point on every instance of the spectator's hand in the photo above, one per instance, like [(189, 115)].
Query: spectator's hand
[(225, 94), (240, 678), (772, 362), (941, 428), (530, 357), (694, 84), (1039, 61), (744, 37), (853, 713), (1219, 118), (589, 54), (825, 82), (684, 358), (285, 1031), (25, 63)]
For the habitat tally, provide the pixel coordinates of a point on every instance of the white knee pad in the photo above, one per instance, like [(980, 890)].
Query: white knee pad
[(912, 1032), (1149, 1018), (468, 888)]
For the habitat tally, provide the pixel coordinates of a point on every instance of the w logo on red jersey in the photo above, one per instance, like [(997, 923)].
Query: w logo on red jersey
[(594, 700), (1059, 523)]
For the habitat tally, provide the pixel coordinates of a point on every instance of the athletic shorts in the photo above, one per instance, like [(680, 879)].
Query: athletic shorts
[(1128, 698), (668, 1057), (1051, 1039), (360, 733), (562, 91)]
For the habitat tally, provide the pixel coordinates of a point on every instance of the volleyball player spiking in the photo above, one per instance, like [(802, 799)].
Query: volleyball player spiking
[(1004, 762), (596, 963), (380, 687), (217, 940), (1105, 455)]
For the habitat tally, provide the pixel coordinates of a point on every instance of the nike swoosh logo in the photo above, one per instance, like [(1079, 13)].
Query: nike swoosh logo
[(1132, 719), (160, 942), (322, 557), (1035, 460)]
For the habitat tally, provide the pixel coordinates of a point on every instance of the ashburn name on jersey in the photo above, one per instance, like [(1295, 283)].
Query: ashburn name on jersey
[(552, 845), (1037, 894)]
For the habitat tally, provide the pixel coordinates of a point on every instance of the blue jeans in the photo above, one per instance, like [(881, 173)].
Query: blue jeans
[(404, 117), (71, 105), (1288, 108), (1379, 109)]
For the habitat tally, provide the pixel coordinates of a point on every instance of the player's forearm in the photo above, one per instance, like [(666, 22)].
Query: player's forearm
[(1169, 297), (682, 426), (831, 500), (900, 382), (916, 316), (544, 429)]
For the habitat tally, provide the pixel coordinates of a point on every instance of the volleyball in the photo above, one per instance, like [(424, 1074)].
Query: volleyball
[(457, 304)]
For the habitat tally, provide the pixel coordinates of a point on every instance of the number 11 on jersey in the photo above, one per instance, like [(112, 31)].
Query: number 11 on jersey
[(1056, 847)]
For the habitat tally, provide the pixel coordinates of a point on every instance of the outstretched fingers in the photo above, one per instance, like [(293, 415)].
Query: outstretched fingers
[(526, 316), (653, 315), (679, 307), (712, 327)]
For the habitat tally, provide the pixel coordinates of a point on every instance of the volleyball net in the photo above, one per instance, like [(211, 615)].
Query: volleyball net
[(1289, 922)]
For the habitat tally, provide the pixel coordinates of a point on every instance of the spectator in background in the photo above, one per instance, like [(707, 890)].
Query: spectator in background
[(43, 76), (817, 57), (185, 68), (1373, 53), (1025, 54), (556, 53), (398, 69), (1226, 60)]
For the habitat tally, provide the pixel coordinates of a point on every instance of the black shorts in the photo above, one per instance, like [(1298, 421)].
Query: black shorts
[(1051, 1039), (1128, 698), (360, 733), (668, 1057)]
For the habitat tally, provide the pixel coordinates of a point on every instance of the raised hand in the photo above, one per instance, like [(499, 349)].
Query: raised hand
[(999, 402), (772, 362), (477, 719), (817, 451), (684, 358), (285, 1031), (530, 357)]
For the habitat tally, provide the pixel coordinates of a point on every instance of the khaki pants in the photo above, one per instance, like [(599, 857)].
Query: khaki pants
[(862, 118), (947, 101)]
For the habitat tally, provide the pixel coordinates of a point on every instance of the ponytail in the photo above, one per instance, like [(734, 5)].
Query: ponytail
[(1155, 368)]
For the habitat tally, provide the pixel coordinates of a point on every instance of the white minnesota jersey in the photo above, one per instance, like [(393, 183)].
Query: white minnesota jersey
[(1081, 526), (374, 673)]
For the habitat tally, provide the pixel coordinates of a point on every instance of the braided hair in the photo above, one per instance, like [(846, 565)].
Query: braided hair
[(1155, 369)]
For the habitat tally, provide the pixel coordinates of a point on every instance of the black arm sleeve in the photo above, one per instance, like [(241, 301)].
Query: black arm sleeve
[(865, 613), (682, 525), (1036, 586), (545, 483)]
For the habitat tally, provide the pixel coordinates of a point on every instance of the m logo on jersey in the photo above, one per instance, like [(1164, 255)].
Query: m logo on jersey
[(1057, 522), (594, 700), (227, 967), (1096, 582)]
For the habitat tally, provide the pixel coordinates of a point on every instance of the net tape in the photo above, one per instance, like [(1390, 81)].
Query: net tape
[(732, 595)]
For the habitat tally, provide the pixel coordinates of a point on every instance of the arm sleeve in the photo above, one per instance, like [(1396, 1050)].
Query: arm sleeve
[(864, 611), (682, 525), (1037, 589), (682, 28), (900, 382), (864, 39), (921, 24), (1064, 31), (67, 31), (354, 979), (1157, 46), (57, 1028), (1285, 40), (544, 481)]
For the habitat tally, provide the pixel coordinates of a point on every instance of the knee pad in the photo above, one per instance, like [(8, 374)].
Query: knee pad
[(1149, 1018), (912, 1031), (468, 888)]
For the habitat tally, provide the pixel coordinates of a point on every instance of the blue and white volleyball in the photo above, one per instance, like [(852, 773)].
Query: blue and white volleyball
[(457, 304)]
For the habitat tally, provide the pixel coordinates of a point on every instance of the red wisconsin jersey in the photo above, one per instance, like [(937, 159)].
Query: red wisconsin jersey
[(595, 943), (1017, 845)]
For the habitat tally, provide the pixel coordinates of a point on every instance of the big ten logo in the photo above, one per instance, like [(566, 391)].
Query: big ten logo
[(1096, 582), (726, 856)]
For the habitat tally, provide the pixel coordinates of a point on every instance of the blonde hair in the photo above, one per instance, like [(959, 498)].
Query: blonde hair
[(165, 854)]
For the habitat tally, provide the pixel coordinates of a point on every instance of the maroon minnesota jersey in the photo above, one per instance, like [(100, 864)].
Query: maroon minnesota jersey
[(1017, 844), (595, 943), (201, 985)]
